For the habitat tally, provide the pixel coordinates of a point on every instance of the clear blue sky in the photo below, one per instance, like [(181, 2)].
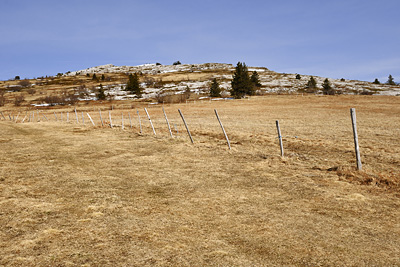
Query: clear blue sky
[(352, 39)]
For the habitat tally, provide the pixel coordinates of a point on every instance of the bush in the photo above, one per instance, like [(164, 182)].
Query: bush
[(177, 63), (18, 100)]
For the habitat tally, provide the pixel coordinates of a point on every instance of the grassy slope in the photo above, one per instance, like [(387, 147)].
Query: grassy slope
[(75, 195)]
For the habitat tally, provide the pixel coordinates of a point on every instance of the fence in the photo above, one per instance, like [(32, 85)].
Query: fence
[(135, 123)]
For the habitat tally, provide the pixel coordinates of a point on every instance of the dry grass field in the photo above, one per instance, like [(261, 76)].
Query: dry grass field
[(83, 195)]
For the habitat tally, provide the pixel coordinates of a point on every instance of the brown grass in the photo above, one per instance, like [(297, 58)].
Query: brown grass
[(82, 195)]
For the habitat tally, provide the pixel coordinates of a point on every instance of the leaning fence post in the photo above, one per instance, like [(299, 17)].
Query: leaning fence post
[(76, 115), (3, 115), (356, 146), (280, 137), (140, 122), (187, 128), (169, 127), (90, 119), (148, 116), (223, 130), (16, 119)]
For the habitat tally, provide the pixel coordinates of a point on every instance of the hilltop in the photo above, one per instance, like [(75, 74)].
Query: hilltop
[(167, 83)]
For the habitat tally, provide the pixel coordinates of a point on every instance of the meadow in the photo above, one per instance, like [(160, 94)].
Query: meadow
[(77, 194)]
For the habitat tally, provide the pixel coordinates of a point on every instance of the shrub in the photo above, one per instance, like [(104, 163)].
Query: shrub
[(25, 83), (18, 100), (177, 63), (298, 77)]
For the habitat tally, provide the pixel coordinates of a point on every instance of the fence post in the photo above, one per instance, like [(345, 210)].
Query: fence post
[(67, 116), (140, 122), (16, 119), (101, 118), (356, 146), (90, 118), (109, 115), (148, 116), (169, 127), (76, 115), (187, 128), (83, 119), (54, 115), (130, 120), (122, 121), (280, 137), (3, 115), (223, 130)]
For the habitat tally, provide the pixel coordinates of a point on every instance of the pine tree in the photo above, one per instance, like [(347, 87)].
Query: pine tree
[(311, 85), (376, 81), (298, 77), (215, 90), (327, 88), (100, 94), (241, 84), (390, 80), (94, 76), (133, 85), (103, 77)]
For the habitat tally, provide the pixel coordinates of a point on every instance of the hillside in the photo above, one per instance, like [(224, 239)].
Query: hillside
[(74, 194), (166, 83)]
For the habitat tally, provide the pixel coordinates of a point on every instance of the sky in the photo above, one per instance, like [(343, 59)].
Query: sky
[(351, 39)]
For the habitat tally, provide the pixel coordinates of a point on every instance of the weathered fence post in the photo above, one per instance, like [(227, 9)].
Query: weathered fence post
[(140, 122), (122, 121), (76, 115), (169, 127), (223, 130), (83, 119), (130, 120), (16, 119), (90, 118), (356, 146), (67, 116), (101, 118), (148, 116), (280, 137), (109, 115), (3, 115), (54, 115), (187, 128)]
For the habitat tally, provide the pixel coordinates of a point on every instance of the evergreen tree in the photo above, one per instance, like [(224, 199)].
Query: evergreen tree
[(241, 84), (103, 77), (376, 81), (390, 80), (133, 85), (311, 85), (100, 93), (327, 88), (215, 90), (94, 76), (298, 77)]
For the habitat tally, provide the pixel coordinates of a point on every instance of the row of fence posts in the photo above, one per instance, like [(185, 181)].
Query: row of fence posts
[(352, 114)]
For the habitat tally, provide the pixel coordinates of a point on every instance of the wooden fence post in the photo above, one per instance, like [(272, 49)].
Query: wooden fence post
[(61, 116), (67, 116), (130, 120), (169, 127), (109, 115), (122, 120), (280, 137), (140, 122), (223, 130), (3, 115), (356, 146), (101, 118), (54, 115), (16, 119), (83, 119), (76, 115), (90, 118), (148, 116), (187, 128)]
